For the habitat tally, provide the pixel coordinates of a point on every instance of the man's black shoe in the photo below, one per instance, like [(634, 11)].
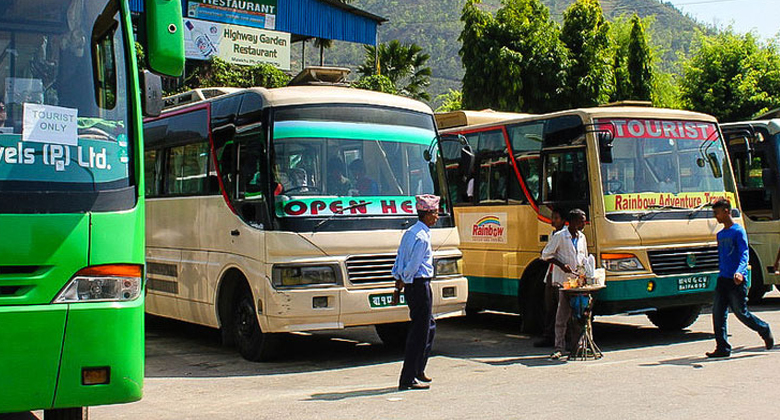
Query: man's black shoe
[(769, 341), (413, 385), (717, 353), (423, 378), (544, 342)]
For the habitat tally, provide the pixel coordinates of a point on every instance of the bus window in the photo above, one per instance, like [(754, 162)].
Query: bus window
[(566, 177), (526, 140), (185, 169), (151, 173), (492, 167)]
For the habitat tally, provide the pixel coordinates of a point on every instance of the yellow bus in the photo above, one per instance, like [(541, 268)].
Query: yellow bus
[(280, 210), (753, 147), (644, 176)]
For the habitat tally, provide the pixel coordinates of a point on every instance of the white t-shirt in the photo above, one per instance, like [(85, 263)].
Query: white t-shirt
[(561, 247)]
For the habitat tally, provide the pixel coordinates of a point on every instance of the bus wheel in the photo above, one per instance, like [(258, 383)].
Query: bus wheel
[(252, 343), (77, 413), (676, 318), (532, 302), (757, 286), (393, 335), (472, 311)]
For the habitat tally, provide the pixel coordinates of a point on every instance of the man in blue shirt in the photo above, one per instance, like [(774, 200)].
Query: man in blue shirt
[(731, 289), (413, 270)]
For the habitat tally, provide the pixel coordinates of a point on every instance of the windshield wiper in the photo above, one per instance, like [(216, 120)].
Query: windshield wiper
[(699, 208), (666, 207), (350, 207)]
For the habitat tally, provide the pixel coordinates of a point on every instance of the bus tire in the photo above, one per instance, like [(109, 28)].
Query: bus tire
[(393, 335), (472, 311), (532, 299), (252, 343), (76, 413), (757, 286), (676, 318)]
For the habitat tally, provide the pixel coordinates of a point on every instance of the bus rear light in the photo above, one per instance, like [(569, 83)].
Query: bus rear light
[(96, 376), (105, 283)]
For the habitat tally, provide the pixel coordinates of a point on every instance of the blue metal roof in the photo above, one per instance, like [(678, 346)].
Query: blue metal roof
[(329, 19)]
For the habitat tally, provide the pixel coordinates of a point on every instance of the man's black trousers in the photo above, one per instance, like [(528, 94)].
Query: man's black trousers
[(421, 330)]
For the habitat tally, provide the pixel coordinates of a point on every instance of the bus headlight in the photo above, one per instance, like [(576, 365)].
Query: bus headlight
[(304, 275), (102, 283), (447, 267), (621, 262)]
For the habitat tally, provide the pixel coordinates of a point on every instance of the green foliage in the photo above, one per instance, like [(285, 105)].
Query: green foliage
[(140, 56), (639, 63), (376, 82), (450, 101), (403, 64), (585, 33), (731, 76), (514, 61), (217, 72)]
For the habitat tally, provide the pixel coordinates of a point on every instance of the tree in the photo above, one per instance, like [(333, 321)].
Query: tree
[(217, 72), (404, 64), (514, 61), (589, 78), (731, 76), (376, 82), (639, 64), (450, 101)]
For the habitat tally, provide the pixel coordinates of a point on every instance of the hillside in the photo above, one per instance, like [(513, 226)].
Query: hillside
[(435, 25)]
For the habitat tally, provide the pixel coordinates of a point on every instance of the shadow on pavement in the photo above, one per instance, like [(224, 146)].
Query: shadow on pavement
[(697, 362), (337, 396)]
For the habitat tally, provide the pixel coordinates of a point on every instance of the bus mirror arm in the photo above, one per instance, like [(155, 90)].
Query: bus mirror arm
[(151, 86)]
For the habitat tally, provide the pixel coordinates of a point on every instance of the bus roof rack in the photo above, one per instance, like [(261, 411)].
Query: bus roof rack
[(321, 76), (628, 103), (462, 118), (195, 95)]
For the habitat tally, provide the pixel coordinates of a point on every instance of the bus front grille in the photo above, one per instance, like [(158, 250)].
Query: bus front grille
[(364, 269), (684, 260)]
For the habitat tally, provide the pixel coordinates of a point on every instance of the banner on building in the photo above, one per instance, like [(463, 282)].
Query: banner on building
[(236, 44), (254, 13)]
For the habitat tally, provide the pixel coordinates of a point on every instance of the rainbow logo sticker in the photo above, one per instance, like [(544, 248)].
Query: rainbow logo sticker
[(488, 229)]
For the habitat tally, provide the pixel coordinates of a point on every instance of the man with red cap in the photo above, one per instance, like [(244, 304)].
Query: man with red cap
[(413, 270)]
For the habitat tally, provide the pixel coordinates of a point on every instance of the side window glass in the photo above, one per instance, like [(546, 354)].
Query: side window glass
[(526, 140), (566, 177), (151, 175), (493, 166), (186, 168)]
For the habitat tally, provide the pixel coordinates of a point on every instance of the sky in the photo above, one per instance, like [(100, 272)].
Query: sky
[(763, 16)]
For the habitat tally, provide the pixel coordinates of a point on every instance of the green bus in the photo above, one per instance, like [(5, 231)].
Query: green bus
[(71, 199)]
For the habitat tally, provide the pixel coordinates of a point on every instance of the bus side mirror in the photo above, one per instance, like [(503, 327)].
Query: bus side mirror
[(164, 37), (605, 146), (151, 86)]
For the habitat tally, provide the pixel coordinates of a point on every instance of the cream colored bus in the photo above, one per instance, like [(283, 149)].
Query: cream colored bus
[(644, 176), (280, 210), (754, 147)]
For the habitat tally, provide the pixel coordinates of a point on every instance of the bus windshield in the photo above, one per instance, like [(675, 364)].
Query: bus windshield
[(328, 159), (663, 165), (63, 107)]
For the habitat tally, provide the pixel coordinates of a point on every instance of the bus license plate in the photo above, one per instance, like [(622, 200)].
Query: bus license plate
[(384, 300), (692, 283)]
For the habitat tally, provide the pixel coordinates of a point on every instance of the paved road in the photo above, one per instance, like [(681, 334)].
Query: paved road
[(482, 368)]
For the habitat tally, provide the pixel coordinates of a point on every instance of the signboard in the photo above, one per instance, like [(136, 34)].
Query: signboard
[(254, 13), (347, 206), (236, 44), (644, 201), (661, 129), (481, 227)]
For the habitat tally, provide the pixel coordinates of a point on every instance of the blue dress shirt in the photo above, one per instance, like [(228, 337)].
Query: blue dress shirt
[(415, 257)]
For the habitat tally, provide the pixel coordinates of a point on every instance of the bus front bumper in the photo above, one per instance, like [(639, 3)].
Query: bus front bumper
[(294, 310), (45, 347), (645, 293)]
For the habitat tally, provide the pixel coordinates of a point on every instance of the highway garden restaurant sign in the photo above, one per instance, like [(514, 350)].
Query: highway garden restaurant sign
[(254, 13), (236, 44)]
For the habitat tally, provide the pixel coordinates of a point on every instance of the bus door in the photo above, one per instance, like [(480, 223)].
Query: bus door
[(565, 182), (753, 167)]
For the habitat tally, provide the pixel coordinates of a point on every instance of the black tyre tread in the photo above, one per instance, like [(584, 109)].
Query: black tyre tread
[(532, 301), (76, 413), (757, 286), (676, 318), (257, 346), (393, 335)]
